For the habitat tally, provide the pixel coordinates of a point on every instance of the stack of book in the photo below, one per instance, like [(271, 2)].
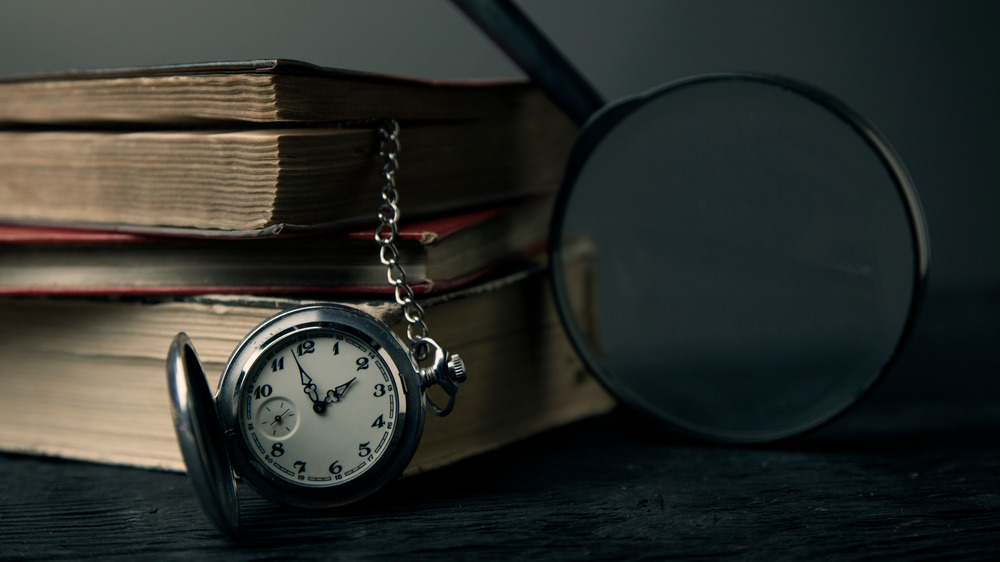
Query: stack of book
[(138, 203)]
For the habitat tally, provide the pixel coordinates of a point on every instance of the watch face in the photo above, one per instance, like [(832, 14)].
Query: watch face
[(320, 408)]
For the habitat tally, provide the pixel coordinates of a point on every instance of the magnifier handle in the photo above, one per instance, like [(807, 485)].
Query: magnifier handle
[(525, 44)]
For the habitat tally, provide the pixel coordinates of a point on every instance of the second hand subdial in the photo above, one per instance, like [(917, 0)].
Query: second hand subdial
[(278, 417)]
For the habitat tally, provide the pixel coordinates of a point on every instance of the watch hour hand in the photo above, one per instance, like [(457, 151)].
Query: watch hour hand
[(336, 394)]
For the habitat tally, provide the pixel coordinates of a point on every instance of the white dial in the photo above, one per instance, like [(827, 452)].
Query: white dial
[(319, 407)]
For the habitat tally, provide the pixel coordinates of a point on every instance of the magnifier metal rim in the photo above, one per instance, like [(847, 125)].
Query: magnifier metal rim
[(602, 122)]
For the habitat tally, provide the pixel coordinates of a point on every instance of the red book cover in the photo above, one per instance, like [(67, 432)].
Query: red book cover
[(438, 254)]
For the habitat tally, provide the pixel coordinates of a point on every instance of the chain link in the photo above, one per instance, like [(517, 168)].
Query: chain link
[(385, 235)]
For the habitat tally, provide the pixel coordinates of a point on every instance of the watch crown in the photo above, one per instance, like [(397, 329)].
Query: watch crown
[(456, 369)]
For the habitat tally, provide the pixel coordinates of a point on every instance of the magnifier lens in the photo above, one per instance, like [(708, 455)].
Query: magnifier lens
[(757, 256)]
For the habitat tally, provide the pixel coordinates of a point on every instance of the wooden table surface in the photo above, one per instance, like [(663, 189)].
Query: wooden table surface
[(912, 473)]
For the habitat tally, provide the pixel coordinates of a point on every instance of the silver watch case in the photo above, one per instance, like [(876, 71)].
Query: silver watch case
[(213, 447)]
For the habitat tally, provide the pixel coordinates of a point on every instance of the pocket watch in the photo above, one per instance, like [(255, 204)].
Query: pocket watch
[(320, 405)]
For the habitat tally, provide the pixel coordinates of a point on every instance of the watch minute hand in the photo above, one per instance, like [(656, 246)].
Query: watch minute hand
[(306, 379), (308, 387)]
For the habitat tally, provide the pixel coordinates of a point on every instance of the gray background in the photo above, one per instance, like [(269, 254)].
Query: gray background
[(925, 72)]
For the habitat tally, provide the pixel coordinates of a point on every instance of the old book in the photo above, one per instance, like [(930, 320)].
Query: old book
[(438, 254), (259, 91), (250, 146), (88, 381)]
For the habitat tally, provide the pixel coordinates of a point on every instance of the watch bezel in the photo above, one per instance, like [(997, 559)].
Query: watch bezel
[(322, 317)]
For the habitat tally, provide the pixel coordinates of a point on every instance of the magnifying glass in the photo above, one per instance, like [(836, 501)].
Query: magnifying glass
[(759, 249)]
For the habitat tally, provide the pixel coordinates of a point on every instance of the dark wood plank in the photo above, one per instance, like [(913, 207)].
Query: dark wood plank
[(913, 472)]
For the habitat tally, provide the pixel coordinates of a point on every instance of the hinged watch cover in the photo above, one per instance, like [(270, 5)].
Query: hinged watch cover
[(200, 435)]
